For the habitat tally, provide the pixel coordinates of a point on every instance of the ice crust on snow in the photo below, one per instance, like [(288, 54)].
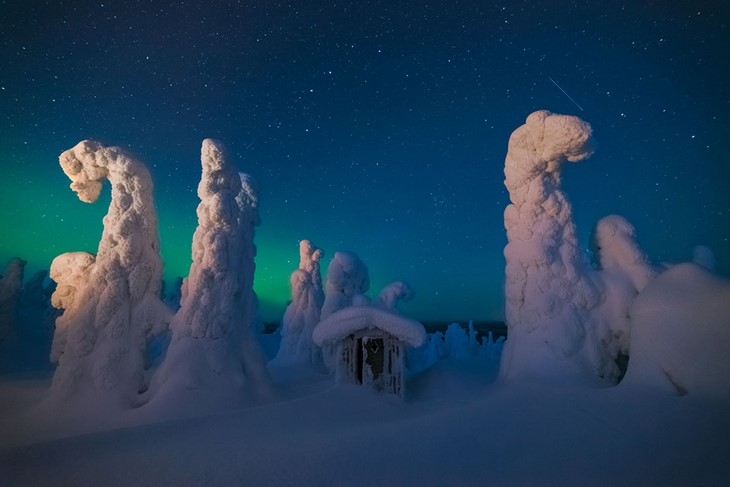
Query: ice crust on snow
[(347, 321), (111, 301)]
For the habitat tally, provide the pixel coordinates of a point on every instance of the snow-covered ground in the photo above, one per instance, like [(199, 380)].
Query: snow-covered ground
[(457, 426), (543, 410)]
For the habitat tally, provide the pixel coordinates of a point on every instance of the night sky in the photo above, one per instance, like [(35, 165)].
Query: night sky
[(378, 127)]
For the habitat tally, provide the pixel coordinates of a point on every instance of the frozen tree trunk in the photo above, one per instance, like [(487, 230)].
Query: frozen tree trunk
[(303, 313), (548, 293), (11, 282), (214, 354), (111, 301)]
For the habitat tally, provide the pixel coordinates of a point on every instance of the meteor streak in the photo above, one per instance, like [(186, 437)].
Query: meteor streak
[(569, 97)]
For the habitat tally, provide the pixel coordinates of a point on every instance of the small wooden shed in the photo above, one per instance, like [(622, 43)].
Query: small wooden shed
[(369, 345)]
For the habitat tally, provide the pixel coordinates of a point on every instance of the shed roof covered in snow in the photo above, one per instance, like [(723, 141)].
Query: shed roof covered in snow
[(347, 321)]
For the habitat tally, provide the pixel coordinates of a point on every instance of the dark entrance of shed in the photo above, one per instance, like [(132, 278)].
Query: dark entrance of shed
[(370, 352)]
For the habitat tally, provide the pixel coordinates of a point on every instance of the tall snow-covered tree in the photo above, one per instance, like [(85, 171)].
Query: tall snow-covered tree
[(213, 353), (303, 313), (547, 289), (111, 300)]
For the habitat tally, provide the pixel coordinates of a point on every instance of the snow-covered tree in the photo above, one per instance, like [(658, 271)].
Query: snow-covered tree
[(393, 293), (624, 270), (347, 282), (111, 301), (213, 354), (548, 293), (303, 313)]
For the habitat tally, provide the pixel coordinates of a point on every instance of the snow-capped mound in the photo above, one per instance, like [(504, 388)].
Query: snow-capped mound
[(346, 321), (680, 333)]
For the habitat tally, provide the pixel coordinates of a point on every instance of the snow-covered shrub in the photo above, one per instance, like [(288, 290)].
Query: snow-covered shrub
[(456, 344)]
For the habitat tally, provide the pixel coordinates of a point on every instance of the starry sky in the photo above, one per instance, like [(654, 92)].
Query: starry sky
[(378, 127)]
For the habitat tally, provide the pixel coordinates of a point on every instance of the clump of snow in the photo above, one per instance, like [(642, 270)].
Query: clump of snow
[(213, 354), (347, 278), (704, 256), (680, 334), (303, 313), (624, 270), (111, 302), (348, 320), (70, 271), (547, 289), (11, 283), (393, 293), (615, 247)]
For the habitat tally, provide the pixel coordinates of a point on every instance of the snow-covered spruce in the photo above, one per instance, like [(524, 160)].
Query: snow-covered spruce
[(624, 270), (213, 356), (347, 281), (548, 294), (111, 301), (303, 313)]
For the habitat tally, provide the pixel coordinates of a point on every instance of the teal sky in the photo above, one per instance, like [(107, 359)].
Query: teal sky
[(372, 127)]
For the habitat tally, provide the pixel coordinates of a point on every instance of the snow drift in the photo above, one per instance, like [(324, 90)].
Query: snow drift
[(680, 334)]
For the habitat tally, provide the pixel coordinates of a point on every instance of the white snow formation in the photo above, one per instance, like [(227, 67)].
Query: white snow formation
[(680, 334), (111, 302), (393, 293), (548, 294), (348, 320), (71, 273), (213, 351), (303, 313), (625, 270), (347, 282), (11, 283)]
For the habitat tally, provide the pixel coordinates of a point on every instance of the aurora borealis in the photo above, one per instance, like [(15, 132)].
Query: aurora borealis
[(375, 127)]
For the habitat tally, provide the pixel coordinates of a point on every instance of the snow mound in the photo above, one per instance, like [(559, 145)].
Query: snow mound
[(680, 333), (346, 321)]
